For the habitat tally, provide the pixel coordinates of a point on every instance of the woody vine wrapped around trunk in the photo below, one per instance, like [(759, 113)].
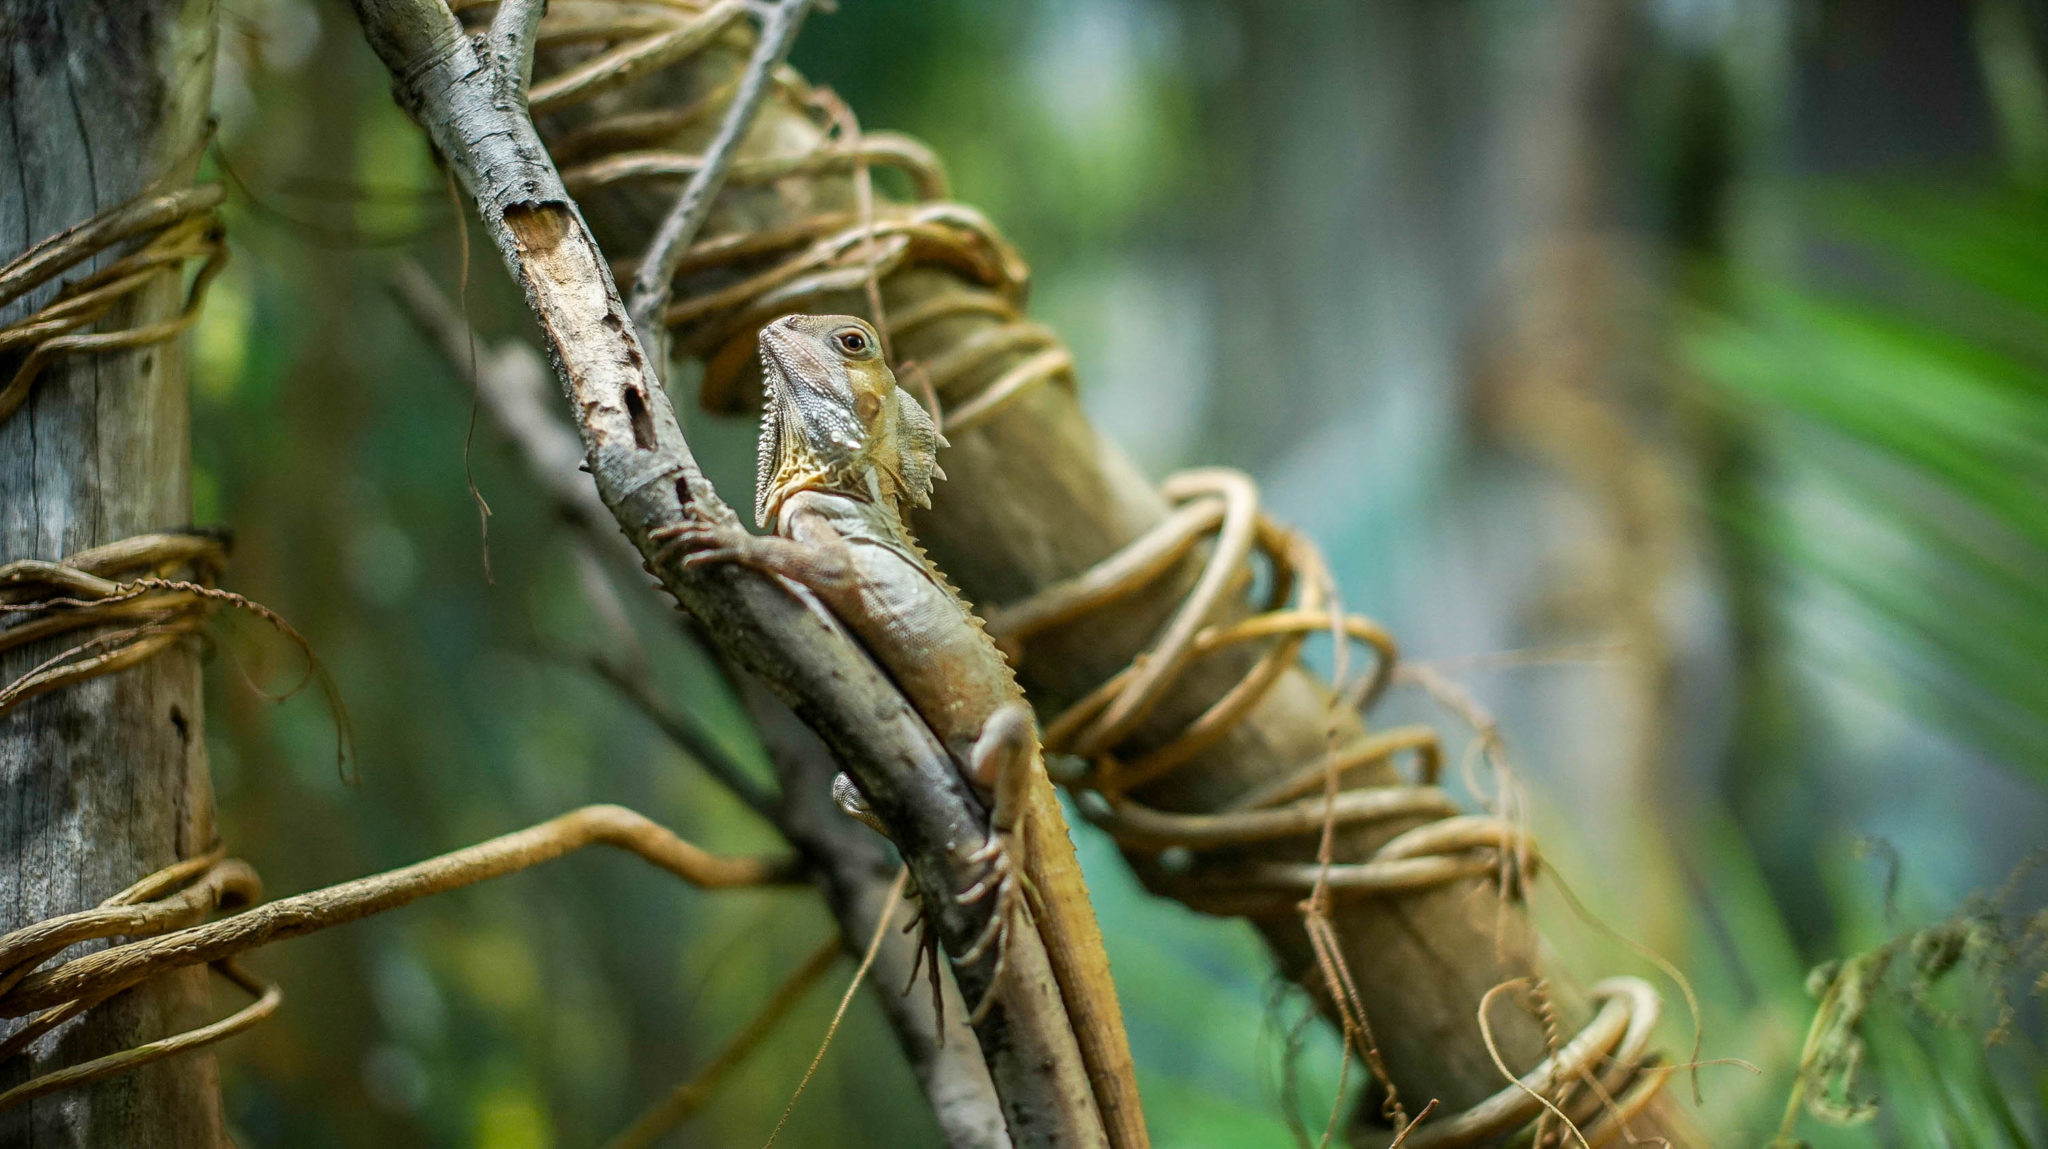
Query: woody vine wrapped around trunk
[(1124, 603)]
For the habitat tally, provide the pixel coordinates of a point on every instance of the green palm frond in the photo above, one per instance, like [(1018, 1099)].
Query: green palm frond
[(1903, 422)]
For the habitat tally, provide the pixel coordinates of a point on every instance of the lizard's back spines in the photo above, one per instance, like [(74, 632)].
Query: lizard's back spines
[(918, 440), (945, 583), (767, 454)]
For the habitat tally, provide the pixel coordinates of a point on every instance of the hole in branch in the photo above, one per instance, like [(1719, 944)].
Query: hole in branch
[(643, 422)]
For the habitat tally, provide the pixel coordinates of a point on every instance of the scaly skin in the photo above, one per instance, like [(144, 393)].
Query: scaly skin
[(843, 450)]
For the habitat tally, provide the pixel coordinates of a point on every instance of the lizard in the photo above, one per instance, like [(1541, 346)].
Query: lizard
[(844, 453)]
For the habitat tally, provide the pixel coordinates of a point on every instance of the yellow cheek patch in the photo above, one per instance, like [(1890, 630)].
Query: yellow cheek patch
[(871, 386)]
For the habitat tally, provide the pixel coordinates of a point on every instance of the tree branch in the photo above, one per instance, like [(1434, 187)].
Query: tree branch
[(512, 36), (655, 279), (648, 479)]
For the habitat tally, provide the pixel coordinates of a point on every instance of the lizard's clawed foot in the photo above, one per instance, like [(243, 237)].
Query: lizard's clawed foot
[(1007, 881), (819, 562), (1005, 759), (703, 540), (927, 961)]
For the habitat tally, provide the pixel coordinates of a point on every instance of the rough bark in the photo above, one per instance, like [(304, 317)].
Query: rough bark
[(105, 781)]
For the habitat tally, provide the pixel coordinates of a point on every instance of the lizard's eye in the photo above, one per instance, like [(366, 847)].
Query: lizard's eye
[(852, 341)]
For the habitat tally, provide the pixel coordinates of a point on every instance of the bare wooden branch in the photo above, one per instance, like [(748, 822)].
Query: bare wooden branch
[(644, 471), (512, 36), (180, 894), (657, 273), (852, 866)]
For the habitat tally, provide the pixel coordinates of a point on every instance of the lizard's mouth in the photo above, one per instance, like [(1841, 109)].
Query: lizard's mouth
[(773, 367), (779, 353), (777, 380)]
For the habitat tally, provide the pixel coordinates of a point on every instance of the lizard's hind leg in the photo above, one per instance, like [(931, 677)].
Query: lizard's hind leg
[(1004, 759), (847, 796)]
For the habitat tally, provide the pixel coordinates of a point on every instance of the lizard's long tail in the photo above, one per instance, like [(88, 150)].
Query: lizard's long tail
[(1008, 759), (1073, 940)]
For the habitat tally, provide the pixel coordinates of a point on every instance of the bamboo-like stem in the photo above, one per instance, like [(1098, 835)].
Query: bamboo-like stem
[(656, 278)]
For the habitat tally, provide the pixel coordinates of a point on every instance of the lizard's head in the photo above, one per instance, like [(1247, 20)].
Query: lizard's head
[(835, 418)]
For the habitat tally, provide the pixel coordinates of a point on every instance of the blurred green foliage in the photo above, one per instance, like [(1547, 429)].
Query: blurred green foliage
[(1907, 445), (1894, 405)]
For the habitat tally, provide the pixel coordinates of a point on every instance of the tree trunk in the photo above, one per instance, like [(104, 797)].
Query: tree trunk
[(106, 780)]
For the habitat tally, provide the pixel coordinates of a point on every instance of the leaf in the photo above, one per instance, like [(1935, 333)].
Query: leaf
[(1902, 423)]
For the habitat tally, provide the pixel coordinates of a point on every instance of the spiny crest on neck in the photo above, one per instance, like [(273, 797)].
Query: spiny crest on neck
[(834, 419)]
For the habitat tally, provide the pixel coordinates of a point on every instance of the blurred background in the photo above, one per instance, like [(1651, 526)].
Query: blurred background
[(1671, 374)]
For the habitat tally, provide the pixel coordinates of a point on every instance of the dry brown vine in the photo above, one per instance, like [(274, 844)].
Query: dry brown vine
[(180, 225)]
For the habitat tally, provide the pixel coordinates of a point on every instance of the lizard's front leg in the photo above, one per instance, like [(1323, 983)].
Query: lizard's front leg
[(819, 560), (1003, 761)]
